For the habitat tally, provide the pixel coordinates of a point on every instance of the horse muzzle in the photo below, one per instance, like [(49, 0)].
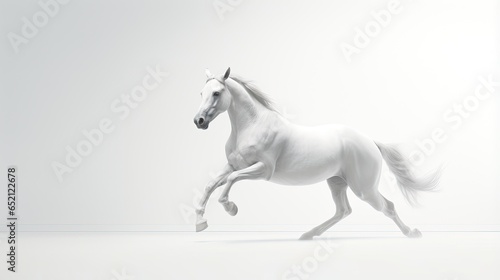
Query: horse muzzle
[(201, 122)]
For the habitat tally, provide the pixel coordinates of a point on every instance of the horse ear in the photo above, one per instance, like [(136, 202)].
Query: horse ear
[(207, 72), (228, 71)]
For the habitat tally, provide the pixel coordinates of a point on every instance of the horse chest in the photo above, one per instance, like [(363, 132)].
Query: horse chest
[(246, 150), (242, 156)]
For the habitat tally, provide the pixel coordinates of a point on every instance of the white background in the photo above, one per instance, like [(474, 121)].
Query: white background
[(151, 166)]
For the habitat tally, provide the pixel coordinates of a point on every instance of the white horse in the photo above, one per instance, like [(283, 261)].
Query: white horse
[(264, 145)]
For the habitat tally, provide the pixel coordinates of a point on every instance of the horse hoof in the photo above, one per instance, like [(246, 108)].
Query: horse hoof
[(201, 225), (414, 233), (231, 208), (306, 236)]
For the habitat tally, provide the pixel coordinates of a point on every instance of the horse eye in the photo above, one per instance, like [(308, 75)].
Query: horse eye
[(216, 93)]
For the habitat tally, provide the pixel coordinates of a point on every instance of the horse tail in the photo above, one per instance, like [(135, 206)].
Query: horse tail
[(406, 180)]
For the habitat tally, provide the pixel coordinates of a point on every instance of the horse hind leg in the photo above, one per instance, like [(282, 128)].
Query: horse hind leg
[(380, 203), (338, 187)]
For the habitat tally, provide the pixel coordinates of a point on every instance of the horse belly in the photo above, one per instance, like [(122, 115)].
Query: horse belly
[(308, 161), (303, 176)]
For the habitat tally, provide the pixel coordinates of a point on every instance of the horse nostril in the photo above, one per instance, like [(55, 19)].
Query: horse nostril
[(201, 121)]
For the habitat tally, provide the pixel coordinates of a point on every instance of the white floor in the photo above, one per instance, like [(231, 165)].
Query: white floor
[(254, 255)]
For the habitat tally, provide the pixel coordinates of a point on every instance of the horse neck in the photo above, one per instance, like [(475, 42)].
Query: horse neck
[(244, 110)]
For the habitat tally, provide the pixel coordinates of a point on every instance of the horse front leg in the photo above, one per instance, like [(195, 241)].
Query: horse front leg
[(253, 172), (219, 180)]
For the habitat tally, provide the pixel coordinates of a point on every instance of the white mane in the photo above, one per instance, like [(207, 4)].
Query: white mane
[(256, 93)]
